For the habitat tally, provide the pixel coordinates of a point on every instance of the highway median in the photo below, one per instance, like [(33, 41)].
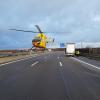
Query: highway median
[(8, 57)]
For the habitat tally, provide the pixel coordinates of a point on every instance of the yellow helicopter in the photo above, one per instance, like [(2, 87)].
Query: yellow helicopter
[(40, 40)]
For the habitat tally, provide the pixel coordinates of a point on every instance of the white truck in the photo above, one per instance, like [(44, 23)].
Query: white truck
[(70, 49)]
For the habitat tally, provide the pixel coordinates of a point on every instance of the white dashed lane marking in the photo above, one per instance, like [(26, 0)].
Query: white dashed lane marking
[(58, 57), (60, 64), (34, 63)]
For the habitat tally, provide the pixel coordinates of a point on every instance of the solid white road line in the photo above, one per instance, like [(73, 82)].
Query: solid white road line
[(60, 64), (34, 63), (15, 61), (86, 63)]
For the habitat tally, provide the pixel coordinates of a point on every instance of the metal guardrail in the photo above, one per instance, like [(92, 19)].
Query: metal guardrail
[(12, 54), (2, 55), (7, 55)]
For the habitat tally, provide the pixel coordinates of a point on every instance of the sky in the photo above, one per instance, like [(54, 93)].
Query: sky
[(76, 21)]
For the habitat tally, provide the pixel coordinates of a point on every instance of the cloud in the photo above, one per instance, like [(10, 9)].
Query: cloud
[(96, 18), (77, 18)]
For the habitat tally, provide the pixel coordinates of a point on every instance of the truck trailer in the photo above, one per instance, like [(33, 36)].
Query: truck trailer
[(70, 49)]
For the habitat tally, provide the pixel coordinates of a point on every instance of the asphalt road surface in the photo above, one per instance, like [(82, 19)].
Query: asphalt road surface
[(51, 76)]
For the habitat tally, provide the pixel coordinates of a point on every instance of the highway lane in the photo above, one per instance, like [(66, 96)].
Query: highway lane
[(49, 77)]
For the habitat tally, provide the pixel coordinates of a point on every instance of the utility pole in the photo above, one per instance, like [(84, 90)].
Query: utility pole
[(81, 45)]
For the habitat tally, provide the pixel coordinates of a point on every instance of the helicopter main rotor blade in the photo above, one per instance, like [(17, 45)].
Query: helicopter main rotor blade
[(23, 30), (38, 28), (37, 32)]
